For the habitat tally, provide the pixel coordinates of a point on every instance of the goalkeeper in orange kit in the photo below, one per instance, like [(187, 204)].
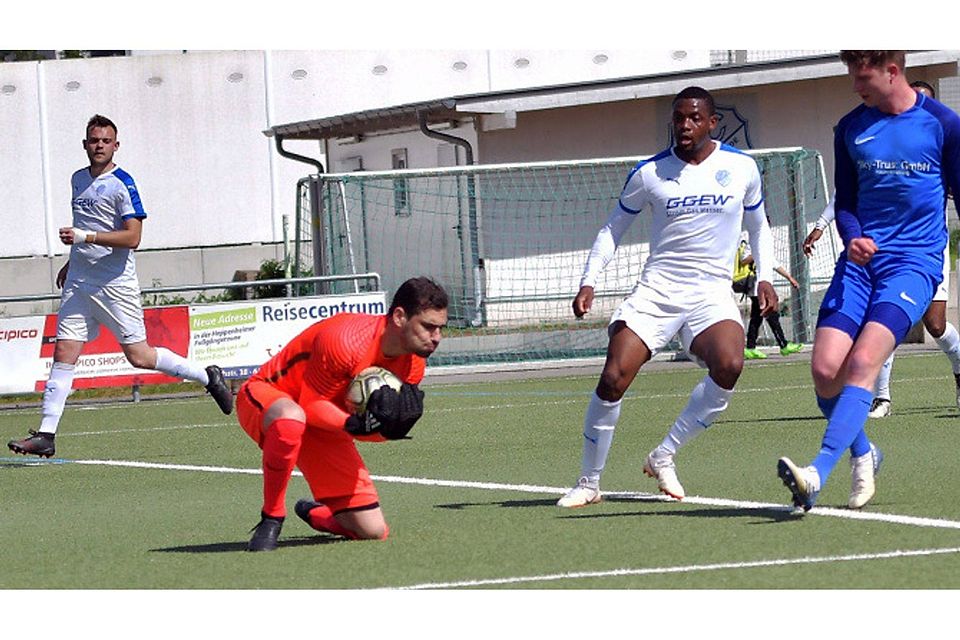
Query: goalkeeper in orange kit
[(295, 409)]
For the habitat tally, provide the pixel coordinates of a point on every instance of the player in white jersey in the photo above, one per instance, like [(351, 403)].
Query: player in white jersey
[(702, 193), (100, 287)]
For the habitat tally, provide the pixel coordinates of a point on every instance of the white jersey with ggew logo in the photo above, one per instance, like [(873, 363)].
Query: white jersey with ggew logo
[(698, 212), (102, 203)]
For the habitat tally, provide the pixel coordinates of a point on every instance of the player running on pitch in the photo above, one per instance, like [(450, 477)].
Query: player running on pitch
[(100, 287), (896, 155), (701, 193), (295, 409), (943, 332)]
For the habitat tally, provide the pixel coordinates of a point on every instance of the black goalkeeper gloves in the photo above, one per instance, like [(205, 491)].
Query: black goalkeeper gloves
[(388, 412)]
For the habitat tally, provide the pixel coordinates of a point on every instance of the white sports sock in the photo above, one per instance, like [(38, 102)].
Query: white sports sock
[(55, 396), (882, 387), (707, 401), (598, 426), (177, 366), (949, 343)]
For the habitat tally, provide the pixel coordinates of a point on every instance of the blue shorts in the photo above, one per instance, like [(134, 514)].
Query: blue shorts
[(892, 290)]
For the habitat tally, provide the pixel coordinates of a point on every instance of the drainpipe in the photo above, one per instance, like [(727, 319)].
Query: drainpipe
[(296, 156), (316, 226), (475, 262), (422, 117)]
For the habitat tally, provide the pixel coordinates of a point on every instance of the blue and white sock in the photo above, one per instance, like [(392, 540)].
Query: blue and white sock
[(55, 393), (707, 401), (598, 425), (177, 366)]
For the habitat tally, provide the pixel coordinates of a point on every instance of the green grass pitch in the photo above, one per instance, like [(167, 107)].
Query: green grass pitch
[(470, 499)]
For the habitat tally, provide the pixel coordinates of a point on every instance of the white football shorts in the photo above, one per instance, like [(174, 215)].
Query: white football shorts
[(83, 308), (656, 317), (943, 291)]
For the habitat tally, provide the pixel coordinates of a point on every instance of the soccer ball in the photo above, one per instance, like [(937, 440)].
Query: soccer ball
[(366, 382)]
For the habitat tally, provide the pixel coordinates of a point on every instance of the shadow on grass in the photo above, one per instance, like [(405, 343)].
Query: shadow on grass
[(770, 514), (810, 418), (231, 547), (933, 412)]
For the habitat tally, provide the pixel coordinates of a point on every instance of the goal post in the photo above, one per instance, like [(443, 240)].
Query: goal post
[(509, 242)]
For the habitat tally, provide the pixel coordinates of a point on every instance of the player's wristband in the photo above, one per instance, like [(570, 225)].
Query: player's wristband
[(80, 235)]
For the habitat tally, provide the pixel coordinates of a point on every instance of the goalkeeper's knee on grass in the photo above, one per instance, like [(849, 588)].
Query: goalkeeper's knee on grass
[(322, 518)]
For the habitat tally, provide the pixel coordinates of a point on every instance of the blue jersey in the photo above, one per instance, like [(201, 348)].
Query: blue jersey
[(892, 178)]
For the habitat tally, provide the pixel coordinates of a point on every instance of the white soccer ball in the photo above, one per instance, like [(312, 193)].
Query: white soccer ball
[(366, 382)]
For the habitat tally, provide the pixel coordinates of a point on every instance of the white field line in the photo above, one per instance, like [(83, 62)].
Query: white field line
[(579, 575), (538, 401), (107, 432), (526, 488)]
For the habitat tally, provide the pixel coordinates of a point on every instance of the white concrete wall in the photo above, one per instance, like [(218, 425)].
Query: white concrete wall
[(522, 68), (22, 211), (317, 84), (191, 131), (188, 131), (191, 126)]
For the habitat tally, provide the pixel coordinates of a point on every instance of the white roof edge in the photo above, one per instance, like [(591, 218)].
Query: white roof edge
[(392, 173), (715, 78)]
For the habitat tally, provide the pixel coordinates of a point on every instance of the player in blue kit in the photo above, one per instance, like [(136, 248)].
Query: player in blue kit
[(100, 287), (943, 332), (896, 155)]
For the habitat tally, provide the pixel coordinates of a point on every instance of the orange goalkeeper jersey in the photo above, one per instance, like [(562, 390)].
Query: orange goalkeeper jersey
[(319, 363)]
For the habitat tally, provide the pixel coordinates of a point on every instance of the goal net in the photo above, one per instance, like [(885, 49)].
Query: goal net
[(509, 243)]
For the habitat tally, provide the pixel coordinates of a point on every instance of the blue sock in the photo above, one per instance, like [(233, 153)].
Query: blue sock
[(845, 425), (861, 444), (826, 405)]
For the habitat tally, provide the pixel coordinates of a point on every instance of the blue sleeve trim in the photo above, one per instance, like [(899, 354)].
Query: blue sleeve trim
[(660, 156), (753, 207), (727, 147), (639, 165), (131, 186), (631, 174)]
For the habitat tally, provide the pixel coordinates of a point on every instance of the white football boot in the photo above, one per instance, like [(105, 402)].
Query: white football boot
[(863, 472), (583, 493), (880, 408), (803, 482), (662, 467)]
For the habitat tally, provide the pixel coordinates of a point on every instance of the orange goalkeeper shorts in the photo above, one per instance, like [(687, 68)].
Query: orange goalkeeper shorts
[(328, 459)]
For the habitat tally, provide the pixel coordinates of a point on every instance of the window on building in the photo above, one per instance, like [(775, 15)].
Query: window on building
[(401, 193)]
